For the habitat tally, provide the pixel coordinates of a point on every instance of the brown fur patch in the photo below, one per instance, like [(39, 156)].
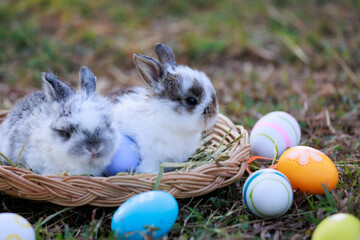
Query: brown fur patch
[(211, 109), (172, 87), (197, 90)]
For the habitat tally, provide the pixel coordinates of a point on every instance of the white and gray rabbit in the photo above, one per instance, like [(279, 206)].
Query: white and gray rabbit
[(69, 130), (165, 119)]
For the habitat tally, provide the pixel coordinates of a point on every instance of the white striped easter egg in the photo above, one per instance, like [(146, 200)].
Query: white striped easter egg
[(15, 227), (267, 193), (274, 133)]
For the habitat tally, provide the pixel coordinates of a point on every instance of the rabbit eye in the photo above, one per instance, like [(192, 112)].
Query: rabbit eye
[(62, 133), (191, 101)]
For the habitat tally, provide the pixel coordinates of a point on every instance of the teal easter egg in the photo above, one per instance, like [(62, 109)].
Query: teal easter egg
[(150, 213), (267, 193)]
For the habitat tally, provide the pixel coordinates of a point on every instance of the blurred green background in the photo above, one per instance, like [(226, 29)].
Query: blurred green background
[(302, 57), (281, 52)]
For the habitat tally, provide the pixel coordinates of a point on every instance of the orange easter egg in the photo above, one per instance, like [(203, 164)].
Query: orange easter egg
[(308, 168)]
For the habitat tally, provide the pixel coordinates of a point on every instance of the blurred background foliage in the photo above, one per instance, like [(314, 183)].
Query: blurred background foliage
[(261, 55), (302, 57)]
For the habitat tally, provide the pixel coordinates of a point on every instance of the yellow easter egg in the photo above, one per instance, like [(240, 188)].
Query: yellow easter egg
[(342, 226), (308, 168)]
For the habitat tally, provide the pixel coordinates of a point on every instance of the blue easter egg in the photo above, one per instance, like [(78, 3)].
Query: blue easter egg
[(124, 159), (154, 211)]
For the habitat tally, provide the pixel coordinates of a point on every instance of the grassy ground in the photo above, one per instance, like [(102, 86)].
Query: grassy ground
[(302, 57)]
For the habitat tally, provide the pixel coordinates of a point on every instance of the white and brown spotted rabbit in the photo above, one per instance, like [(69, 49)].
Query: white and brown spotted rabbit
[(165, 119)]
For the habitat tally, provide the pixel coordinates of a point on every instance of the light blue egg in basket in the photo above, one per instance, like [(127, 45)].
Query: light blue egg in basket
[(125, 158)]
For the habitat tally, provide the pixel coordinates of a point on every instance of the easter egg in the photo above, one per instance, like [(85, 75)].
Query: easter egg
[(125, 158), (308, 168), (14, 226), (149, 213), (267, 193), (342, 226), (273, 134)]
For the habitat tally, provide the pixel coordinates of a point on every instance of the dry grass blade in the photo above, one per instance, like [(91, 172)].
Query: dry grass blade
[(22, 149), (205, 155), (8, 160), (345, 67), (158, 179), (294, 47)]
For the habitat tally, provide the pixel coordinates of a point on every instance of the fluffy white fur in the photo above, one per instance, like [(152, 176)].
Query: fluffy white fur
[(162, 133), (36, 117), (48, 155)]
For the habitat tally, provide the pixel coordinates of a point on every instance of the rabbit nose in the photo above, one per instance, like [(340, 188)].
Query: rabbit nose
[(209, 110), (93, 149)]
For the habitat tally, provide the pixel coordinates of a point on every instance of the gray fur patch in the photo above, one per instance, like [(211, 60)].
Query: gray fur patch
[(55, 89), (25, 107), (17, 129), (92, 143), (165, 54), (87, 80), (115, 97)]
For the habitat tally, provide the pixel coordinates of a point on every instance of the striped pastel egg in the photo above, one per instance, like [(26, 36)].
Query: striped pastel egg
[(267, 193), (274, 133)]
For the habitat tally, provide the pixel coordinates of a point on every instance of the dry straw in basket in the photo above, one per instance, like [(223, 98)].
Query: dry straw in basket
[(113, 191)]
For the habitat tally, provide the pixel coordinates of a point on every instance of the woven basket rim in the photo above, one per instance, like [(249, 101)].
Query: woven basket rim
[(114, 190)]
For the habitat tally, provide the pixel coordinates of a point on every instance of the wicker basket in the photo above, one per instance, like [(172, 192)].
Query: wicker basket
[(113, 191)]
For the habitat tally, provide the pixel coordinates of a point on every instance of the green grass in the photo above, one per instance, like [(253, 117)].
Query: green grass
[(302, 57)]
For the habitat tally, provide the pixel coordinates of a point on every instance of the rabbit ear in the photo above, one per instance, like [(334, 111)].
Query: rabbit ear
[(87, 80), (149, 69), (165, 54), (54, 89)]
